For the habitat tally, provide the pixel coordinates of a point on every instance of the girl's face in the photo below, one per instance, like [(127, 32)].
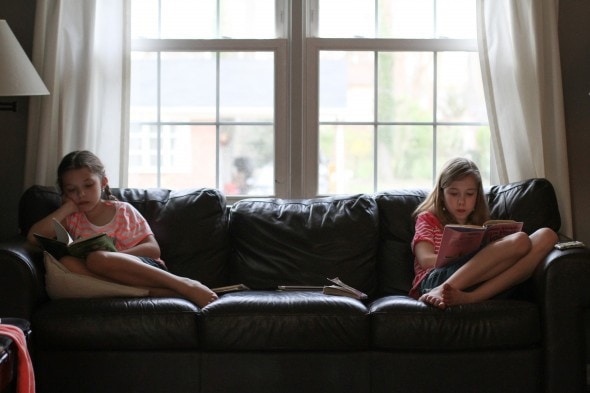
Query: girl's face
[(83, 187), (460, 198)]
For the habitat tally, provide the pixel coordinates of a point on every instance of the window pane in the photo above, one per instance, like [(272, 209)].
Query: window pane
[(346, 18), (246, 155), (144, 18), (405, 86), (144, 86), (177, 157), (346, 83), (456, 19), (346, 159), (192, 97), (247, 19), (465, 141), (189, 19), (406, 18), (397, 19), (143, 157), (202, 19), (246, 86), (404, 157), (460, 88)]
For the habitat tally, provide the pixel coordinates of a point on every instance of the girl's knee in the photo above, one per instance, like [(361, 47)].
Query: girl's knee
[(549, 235), (97, 260), (521, 243), (545, 237)]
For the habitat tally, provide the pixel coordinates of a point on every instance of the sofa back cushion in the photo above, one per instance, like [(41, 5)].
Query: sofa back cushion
[(190, 225), (304, 242), (532, 201)]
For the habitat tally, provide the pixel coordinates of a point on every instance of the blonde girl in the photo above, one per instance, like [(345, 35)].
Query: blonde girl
[(458, 198)]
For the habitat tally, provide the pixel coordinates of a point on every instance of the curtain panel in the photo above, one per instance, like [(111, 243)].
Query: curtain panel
[(519, 56), (80, 49)]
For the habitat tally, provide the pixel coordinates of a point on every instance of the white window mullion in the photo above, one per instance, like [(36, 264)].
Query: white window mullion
[(310, 136)]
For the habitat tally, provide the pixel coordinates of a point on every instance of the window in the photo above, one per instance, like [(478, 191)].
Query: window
[(208, 88), (304, 97)]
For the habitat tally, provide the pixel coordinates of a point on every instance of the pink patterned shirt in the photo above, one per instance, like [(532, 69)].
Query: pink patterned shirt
[(128, 228), (428, 229)]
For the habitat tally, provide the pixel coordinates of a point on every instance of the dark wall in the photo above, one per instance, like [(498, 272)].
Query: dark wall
[(575, 56), (20, 17), (574, 42)]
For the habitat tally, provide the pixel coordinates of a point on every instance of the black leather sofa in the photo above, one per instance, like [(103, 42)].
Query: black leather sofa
[(266, 340)]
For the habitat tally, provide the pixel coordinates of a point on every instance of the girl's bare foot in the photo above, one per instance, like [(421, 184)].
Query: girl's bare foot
[(201, 297), (435, 297), (200, 294)]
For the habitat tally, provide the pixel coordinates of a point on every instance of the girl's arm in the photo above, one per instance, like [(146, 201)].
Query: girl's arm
[(45, 226), (424, 252), (148, 247)]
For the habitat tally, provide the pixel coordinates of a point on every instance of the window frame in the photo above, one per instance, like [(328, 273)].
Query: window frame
[(279, 47), (296, 101), (315, 45)]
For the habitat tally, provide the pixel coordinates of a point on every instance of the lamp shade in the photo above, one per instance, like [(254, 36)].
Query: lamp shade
[(18, 77)]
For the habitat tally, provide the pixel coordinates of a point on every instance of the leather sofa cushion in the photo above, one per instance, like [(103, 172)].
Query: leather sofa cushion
[(304, 242), (402, 323), (395, 267), (191, 228), (285, 321), (116, 324), (531, 201)]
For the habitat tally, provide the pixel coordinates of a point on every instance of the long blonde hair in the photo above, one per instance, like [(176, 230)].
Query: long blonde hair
[(453, 170)]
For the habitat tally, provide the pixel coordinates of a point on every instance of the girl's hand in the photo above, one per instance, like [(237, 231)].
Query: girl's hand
[(68, 205), (45, 227)]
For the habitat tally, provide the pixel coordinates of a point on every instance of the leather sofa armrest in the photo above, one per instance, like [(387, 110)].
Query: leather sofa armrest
[(22, 283), (563, 282)]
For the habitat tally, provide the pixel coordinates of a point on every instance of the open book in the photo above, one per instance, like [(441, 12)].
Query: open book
[(64, 245), (460, 240), (341, 289), (338, 288), (230, 288)]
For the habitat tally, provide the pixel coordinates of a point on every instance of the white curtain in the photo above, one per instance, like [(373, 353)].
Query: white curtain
[(80, 49), (519, 54)]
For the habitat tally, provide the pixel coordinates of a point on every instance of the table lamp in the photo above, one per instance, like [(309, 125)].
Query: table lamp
[(18, 77)]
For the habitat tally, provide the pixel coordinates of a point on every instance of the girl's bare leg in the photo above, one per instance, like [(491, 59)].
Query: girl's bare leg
[(128, 270), (500, 276)]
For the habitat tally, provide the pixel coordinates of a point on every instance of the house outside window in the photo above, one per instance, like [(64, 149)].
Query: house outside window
[(305, 97)]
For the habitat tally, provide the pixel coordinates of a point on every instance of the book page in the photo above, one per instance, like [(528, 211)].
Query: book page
[(458, 241), (60, 232), (99, 242), (500, 229), (340, 286)]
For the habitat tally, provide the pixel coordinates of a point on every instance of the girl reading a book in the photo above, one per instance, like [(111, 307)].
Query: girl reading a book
[(88, 208), (458, 198)]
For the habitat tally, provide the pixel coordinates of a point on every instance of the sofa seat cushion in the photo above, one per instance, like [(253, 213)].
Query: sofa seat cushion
[(116, 324), (402, 323), (292, 321)]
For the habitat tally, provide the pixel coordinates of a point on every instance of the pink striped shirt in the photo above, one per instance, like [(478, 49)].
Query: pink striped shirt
[(428, 229), (128, 228)]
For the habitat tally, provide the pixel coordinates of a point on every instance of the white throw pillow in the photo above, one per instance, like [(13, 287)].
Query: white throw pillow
[(62, 283)]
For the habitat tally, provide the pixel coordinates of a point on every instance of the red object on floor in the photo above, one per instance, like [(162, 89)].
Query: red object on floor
[(25, 376)]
